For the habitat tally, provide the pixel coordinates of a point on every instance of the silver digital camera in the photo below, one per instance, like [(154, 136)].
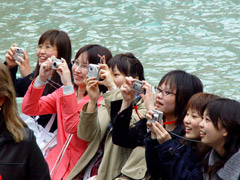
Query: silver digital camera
[(93, 71), (18, 52), (55, 63), (137, 86), (156, 116)]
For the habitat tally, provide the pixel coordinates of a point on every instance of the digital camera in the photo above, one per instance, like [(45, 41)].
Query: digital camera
[(137, 86), (18, 52), (55, 63), (93, 71), (156, 116)]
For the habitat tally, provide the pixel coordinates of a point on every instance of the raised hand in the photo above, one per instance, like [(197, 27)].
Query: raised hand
[(106, 75), (9, 57), (149, 96), (64, 73), (24, 65), (92, 88), (45, 70), (161, 134)]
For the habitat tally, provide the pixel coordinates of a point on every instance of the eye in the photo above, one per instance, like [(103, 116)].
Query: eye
[(48, 47), (167, 92), (208, 119), (76, 63), (85, 66), (39, 46)]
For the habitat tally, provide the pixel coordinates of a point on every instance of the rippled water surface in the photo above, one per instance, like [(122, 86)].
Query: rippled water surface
[(199, 36)]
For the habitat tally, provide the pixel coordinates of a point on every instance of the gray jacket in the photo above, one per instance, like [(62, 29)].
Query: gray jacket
[(231, 169)]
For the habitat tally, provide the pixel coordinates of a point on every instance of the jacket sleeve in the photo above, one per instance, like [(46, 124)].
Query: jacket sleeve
[(70, 113), (35, 104), (179, 161), (36, 164), (89, 125), (125, 137), (20, 84), (93, 124), (154, 166)]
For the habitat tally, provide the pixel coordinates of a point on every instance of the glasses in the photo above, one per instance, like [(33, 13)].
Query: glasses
[(164, 92), (83, 66), (45, 47)]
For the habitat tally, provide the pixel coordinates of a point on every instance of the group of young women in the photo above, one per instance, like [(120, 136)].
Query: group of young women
[(105, 127)]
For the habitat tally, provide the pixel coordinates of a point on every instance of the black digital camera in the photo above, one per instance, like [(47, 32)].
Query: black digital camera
[(93, 71), (18, 52), (55, 63), (137, 86)]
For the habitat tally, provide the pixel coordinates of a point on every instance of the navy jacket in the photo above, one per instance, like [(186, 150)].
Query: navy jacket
[(173, 160)]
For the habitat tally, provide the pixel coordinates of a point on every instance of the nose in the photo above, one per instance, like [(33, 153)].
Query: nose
[(160, 95), (201, 124), (78, 69), (186, 119)]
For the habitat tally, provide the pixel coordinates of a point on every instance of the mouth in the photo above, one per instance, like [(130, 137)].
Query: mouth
[(158, 104), (42, 59), (202, 134), (188, 129)]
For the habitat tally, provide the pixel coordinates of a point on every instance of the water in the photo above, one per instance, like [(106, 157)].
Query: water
[(198, 36)]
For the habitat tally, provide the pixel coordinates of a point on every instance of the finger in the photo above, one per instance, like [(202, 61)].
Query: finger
[(18, 63)]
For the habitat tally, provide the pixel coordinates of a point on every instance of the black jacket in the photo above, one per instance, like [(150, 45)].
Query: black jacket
[(21, 161)]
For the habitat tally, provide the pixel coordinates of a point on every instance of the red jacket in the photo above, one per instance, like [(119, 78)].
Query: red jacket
[(68, 111)]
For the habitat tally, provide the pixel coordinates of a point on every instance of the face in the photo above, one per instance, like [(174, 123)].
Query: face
[(80, 69), (45, 51), (118, 77), (191, 123), (166, 102), (210, 135)]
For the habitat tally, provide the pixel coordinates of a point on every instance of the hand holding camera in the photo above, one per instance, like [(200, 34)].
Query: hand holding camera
[(155, 115), (138, 86), (18, 54)]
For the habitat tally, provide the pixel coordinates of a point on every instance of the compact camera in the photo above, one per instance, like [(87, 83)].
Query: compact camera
[(55, 63), (156, 116), (137, 86), (93, 71), (18, 52)]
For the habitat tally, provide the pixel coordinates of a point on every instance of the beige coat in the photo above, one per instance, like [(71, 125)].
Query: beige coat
[(92, 128)]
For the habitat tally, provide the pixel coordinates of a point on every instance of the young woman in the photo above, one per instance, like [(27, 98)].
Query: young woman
[(102, 158), (220, 130), (67, 102), (51, 43), (20, 156), (179, 160), (173, 92)]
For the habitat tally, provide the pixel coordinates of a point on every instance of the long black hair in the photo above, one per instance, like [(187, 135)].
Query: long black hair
[(186, 85), (227, 113)]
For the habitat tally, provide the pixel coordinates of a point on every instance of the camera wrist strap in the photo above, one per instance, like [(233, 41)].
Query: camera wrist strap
[(136, 110), (169, 122)]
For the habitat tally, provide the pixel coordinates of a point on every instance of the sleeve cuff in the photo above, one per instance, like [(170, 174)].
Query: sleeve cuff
[(39, 83), (68, 90)]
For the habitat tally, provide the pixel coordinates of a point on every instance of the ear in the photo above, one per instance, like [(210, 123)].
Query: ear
[(2, 100), (225, 132)]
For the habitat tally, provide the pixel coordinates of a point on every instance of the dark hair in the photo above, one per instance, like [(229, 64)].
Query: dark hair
[(61, 40), (127, 64), (186, 85), (92, 51), (227, 112), (199, 100)]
